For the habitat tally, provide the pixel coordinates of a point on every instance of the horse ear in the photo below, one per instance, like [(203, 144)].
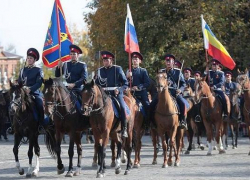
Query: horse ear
[(238, 71), (11, 84)]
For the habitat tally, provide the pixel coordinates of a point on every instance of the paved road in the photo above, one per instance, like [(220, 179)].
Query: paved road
[(235, 164)]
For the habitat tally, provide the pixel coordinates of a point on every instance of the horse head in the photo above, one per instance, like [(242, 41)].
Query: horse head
[(202, 89), (243, 80), (161, 81), (88, 96), (188, 92), (20, 100)]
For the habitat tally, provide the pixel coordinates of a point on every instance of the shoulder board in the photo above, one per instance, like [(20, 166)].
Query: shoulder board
[(161, 70), (116, 66), (81, 62)]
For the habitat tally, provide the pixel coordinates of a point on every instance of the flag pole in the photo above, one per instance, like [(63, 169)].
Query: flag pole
[(59, 36)]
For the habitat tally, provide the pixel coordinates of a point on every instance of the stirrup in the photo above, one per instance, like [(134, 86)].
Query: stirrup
[(183, 125), (197, 119)]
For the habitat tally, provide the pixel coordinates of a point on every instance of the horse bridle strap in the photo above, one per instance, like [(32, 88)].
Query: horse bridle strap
[(91, 104)]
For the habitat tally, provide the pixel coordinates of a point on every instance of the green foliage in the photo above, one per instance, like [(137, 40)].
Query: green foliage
[(171, 26)]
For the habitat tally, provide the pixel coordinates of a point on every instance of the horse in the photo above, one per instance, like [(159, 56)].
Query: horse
[(234, 116), (166, 117), (244, 82), (4, 102), (67, 118), (25, 125), (98, 106), (193, 127), (211, 112)]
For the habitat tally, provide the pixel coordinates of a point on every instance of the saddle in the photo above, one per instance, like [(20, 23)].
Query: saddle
[(175, 104), (117, 107)]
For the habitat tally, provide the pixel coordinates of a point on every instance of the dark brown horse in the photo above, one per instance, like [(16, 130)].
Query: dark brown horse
[(244, 82), (211, 112), (166, 117), (234, 116), (98, 106), (24, 125), (4, 115), (61, 107)]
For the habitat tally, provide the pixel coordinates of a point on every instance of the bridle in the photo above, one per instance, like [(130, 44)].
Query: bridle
[(54, 104), (203, 95), (246, 80)]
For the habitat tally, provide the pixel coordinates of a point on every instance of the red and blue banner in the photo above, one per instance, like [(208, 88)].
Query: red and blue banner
[(215, 48), (58, 38), (130, 37)]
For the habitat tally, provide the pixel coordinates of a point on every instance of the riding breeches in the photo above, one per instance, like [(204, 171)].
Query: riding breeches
[(39, 105)]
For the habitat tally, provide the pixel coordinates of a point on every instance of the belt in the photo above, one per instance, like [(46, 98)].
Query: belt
[(110, 88)]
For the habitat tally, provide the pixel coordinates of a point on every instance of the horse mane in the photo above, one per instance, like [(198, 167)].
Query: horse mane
[(58, 82)]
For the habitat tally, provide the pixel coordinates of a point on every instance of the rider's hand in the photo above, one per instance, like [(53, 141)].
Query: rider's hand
[(116, 91), (71, 85), (129, 74), (26, 89), (59, 65), (178, 91), (135, 88)]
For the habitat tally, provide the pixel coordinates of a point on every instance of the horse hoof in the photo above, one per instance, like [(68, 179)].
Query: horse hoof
[(69, 174), (155, 162), (177, 164), (60, 171), (222, 151), (170, 163), (94, 164), (99, 175), (209, 154), (202, 147), (21, 172), (34, 174), (126, 172), (76, 173), (164, 166), (124, 161), (118, 170), (215, 148), (137, 166), (157, 150), (187, 152), (28, 175), (112, 164)]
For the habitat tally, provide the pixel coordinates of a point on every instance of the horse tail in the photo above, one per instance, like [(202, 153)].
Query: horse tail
[(50, 141), (134, 140)]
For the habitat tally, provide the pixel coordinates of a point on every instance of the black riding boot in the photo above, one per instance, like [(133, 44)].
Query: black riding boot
[(183, 122), (124, 129)]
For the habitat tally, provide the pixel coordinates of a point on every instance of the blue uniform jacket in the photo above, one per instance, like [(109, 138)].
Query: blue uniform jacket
[(31, 77), (230, 86), (112, 77), (217, 79), (191, 82), (140, 78), (173, 76), (74, 72)]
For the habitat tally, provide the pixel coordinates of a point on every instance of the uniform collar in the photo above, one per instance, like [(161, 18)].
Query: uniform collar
[(30, 66), (108, 67), (73, 62)]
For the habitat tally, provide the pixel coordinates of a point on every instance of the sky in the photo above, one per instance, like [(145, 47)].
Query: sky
[(24, 23)]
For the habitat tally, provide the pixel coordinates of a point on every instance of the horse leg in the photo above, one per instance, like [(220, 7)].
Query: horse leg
[(37, 152), (96, 145), (154, 140), (219, 132), (79, 153), (249, 136), (236, 135), (112, 147), (179, 140), (233, 135), (30, 155), (60, 166), (71, 154), (118, 157), (209, 132), (224, 135), (164, 147), (17, 140), (190, 139)]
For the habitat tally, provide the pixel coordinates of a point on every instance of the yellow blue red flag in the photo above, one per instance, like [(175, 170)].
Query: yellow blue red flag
[(215, 48), (58, 38)]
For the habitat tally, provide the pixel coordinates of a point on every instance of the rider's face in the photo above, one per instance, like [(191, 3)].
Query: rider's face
[(169, 63), (30, 60), (107, 62), (74, 56)]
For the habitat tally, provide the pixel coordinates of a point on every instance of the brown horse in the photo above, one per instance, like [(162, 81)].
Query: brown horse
[(98, 106), (166, 117), (211, 112), (244, 82), (61, 108), (24, 125)]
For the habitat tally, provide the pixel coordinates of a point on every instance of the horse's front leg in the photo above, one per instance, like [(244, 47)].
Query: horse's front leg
[(209, 132), (60, 166), (219, 132), (190, 134), (112, 147), (79, 152), (164, 147), (128, 149), (71, 154), (17, 140), (30, 155), (154, 136), (37, 152)]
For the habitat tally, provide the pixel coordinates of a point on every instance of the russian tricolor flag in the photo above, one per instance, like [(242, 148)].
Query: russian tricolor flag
[(215, 48), (130, 37)]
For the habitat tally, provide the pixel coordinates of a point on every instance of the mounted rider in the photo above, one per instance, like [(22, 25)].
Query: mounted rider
[(113, 80), (187, 77), (216, 80), (140, 82), (74, 71)]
